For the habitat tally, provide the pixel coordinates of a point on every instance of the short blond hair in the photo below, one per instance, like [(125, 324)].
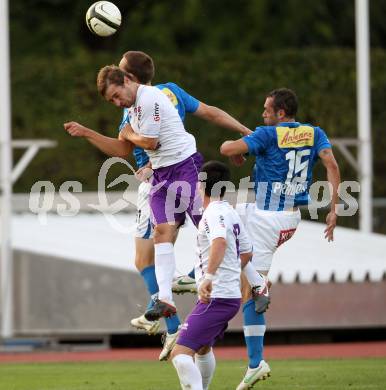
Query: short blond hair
[(110, 74)]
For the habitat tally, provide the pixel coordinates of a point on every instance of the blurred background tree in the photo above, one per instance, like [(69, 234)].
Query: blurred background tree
[(226, 53)]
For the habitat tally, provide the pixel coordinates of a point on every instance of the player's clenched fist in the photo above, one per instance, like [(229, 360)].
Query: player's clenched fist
[(75, 129), (205, 290)]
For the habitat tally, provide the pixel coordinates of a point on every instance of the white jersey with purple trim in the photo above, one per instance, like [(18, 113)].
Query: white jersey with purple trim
[(221, 220), (154, 116)]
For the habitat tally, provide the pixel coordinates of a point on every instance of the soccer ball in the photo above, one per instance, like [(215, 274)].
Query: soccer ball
[(103, 18)]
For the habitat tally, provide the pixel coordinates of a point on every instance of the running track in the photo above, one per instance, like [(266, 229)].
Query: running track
[(314, 351)]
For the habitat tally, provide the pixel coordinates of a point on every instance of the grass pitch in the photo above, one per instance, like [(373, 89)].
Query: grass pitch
[(330, 374)]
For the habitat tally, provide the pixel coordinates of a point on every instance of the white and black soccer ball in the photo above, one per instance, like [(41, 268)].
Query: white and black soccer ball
[(103, 18)]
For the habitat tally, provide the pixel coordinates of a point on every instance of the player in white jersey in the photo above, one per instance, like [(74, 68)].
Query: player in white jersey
[(223, 247), (286, 152), (140, 67), (156, 127), (169, 142)]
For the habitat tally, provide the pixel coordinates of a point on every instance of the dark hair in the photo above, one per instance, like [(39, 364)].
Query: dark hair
[(284, 99), (217, 173), (140, 65), (108, 75)]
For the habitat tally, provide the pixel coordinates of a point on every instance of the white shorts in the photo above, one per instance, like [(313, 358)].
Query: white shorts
[(144, 228), (267, 230)]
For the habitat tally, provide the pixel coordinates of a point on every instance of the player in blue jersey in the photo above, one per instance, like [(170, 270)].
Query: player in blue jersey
[(286, 152), (140, 68)]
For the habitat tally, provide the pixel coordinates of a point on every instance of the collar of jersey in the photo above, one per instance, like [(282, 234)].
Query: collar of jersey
[(289, 124), (139, 91), (217, 201)]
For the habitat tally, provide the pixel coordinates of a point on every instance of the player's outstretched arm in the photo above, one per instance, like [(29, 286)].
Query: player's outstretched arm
[(333, 177), (220, 118), (234, 148), (147, 143), (111, 146), (231, 149)]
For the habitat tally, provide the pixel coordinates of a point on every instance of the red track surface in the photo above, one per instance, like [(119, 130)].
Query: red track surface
[(315, 351)]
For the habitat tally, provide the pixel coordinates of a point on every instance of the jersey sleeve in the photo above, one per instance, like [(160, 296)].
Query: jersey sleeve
[(258, 141), (191, 103), (245, 244), (322, 141), (216, 228), (125, 119), (149, 117)]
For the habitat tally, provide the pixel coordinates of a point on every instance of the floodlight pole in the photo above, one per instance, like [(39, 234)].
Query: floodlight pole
[(364, 115), (6, 277)]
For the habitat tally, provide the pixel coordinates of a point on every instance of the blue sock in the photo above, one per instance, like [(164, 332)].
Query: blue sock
[(148, 274), (150, 280), (191, 274), (254, 329), (172, 324)]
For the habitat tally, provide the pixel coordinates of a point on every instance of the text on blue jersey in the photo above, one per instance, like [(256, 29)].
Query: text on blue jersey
[(285, 156)]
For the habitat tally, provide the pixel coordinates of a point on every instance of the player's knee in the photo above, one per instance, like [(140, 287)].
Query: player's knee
[(175, 352), (204, 350), (164, 233)]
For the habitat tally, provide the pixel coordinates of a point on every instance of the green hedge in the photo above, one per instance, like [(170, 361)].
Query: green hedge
[(47, 92), (55, 90)]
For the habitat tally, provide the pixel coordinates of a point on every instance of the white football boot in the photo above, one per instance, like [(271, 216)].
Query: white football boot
[(169, 341), (253, 375), (184, 284), (151, 327)]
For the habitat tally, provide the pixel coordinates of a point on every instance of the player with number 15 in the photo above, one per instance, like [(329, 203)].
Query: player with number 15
[(286, 152)]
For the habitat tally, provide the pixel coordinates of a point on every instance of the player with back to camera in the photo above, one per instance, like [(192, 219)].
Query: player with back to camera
[(140, 67), (223, 247), (286, 152)]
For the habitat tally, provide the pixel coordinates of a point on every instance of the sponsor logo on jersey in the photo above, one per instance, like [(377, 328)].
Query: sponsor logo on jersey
[(171, 96), (285, 235), (289, 189), (206, 226), (156, 115), (295, 137), (138, 112)]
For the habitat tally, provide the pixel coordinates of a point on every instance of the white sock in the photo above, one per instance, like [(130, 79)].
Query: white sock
[(206, 364), (254, 278), (165, 266), (188, 373)]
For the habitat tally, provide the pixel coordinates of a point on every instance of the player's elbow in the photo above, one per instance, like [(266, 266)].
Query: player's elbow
[(125, 149), (226, 149), (208, 113)]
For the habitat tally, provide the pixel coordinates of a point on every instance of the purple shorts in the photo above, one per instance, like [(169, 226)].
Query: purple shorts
[(174, 192), (207, 322)]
